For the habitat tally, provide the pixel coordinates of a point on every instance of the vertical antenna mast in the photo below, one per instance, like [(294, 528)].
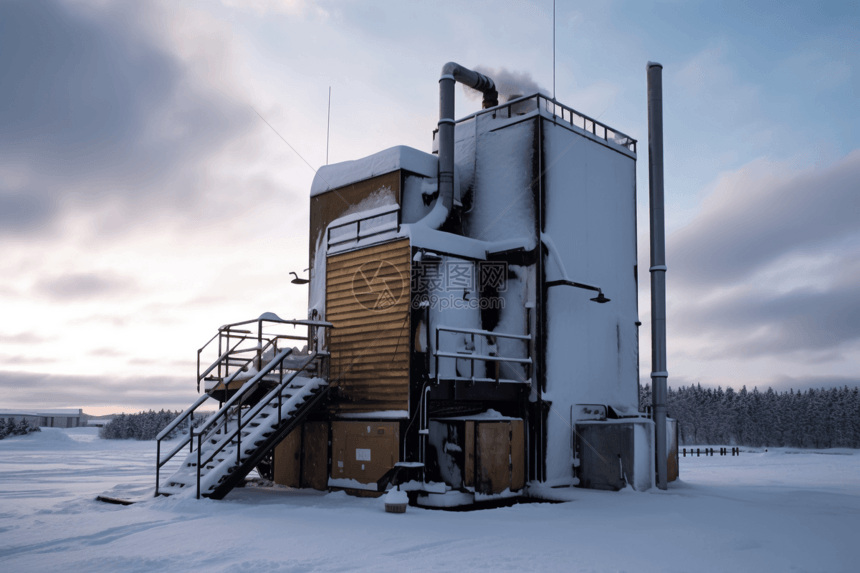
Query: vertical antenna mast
[(328, 125), (553, 50)]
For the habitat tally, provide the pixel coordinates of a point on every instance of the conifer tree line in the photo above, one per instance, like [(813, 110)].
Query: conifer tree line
[(9, 427), (816, 418), (144, 425)]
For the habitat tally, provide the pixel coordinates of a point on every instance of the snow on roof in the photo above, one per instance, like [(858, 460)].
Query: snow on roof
[(488, 415), (459, 245), (269, 316), (380, 415), (437, 241), (364, 214), (394, 158)]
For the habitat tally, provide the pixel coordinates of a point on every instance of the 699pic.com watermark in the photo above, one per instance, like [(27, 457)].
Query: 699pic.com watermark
[(380, 286), (458, 284)]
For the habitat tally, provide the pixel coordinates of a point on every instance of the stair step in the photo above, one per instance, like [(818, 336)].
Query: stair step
[(256, 433), (169, 490)]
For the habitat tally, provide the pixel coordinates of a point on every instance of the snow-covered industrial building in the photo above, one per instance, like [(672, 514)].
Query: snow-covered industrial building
[(473, 322), (57, 418)]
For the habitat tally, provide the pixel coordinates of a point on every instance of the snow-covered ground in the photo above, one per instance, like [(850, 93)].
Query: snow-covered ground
[(774, 511)]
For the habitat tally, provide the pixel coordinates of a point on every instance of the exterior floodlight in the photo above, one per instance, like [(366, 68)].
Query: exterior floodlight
[(297, 280), (599, 298)]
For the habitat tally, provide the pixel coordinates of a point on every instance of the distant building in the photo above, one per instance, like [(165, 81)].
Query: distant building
[(61, 418)]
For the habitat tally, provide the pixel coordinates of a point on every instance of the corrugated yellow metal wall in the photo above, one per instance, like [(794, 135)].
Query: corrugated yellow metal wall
[(367, 300)]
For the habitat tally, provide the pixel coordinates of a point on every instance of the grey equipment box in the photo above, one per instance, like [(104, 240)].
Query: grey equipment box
[(615, 453)]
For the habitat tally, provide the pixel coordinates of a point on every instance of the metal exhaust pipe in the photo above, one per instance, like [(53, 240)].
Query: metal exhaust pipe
[(453, 72), (659, 373)]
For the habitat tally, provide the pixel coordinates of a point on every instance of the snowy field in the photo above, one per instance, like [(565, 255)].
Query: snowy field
[(774, 511)]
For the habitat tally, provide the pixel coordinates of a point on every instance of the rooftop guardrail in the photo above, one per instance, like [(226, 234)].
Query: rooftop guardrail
[(525, 104)]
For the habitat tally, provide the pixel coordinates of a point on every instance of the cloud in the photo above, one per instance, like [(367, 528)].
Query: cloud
[(99, 110), (110, 319), (289, 7), (21, 360), (710, 83), (24, 210), (106, 352), (771, 267), (24, 338), (83, 286), (800, 322), (763, 213), (33, 390)]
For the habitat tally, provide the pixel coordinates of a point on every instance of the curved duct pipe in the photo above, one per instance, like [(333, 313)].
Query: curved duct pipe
[(452, 72)]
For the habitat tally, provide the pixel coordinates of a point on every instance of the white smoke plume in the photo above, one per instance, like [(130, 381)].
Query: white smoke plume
[(509, 84)]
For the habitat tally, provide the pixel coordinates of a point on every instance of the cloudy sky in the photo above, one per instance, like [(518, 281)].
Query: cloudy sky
[(144, 202)]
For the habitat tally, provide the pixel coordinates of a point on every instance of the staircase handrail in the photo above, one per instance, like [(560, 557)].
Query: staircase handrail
[(298, 322), (215, 364), (226, 356), (208, 424), (240, 392), (230, 329), (210, 427), (178, 419), (222, 416), (258, 406)]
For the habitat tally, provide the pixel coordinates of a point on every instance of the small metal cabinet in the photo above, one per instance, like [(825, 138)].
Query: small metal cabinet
[(615, 453)]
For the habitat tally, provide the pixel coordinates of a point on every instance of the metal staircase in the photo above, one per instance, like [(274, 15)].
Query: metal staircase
[(276, 397)]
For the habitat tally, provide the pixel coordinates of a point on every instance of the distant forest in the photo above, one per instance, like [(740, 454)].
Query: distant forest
[(810, 419), (145, 425)]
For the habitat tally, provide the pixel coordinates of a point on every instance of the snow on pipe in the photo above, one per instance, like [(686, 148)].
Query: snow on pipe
[(451, 73), (658, 268)]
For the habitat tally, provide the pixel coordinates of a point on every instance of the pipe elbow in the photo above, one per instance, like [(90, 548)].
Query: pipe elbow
[(449, 68), (474, 80)]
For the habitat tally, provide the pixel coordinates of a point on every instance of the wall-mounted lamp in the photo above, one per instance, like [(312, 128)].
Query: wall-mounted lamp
[(599, 298), (297, 280)]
